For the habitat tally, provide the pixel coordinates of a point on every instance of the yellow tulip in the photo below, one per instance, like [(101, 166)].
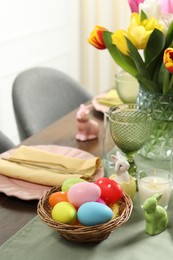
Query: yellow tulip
[(168, 59), (151, 24), (141, 30), (135, 19), (119, 39), (138, 33), (96, 37)]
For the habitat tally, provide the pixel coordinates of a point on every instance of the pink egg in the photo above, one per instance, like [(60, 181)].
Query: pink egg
[(83, 192), (101, 201)]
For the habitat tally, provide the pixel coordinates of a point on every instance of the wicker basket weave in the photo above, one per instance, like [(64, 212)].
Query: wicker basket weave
[(80, 233)]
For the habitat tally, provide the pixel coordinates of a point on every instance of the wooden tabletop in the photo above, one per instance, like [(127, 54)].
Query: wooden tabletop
[(14, 212)]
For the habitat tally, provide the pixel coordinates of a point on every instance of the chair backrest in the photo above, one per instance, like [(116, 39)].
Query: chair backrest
[(43, 95), (5, 143)]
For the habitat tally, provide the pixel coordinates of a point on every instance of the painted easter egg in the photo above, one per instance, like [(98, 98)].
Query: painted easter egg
[(69, 182), (64, 212), (94, 213), (129, 188), (111, 191), (83, 192), (57, 197), (100, 200)]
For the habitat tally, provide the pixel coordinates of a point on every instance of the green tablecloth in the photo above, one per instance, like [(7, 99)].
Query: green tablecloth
[(36, 241)]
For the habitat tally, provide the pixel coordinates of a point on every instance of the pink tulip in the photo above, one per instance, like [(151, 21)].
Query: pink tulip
[(134, 5), (167, 6)]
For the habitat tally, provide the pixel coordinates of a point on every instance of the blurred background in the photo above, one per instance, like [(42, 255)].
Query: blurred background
[(53, 33)]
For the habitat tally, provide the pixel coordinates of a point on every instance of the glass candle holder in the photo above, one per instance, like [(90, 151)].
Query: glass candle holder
[(152, 182), (127, 87)]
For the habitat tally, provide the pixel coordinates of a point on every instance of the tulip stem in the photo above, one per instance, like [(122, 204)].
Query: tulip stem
[(171, 82)]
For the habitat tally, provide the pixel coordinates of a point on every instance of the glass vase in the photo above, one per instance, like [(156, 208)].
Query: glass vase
[(161, 106)]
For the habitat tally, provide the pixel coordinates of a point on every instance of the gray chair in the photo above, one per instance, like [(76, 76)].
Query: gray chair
[(5, 143), (43, 95)]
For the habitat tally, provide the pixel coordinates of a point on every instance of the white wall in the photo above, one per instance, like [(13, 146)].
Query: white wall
[(35, 33), (54, 33)]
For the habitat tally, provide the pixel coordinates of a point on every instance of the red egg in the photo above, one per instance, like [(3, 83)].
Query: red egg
[(111, 191)]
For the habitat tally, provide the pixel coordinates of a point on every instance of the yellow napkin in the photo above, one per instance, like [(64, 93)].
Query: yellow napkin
[(111, 98), (42, 167)]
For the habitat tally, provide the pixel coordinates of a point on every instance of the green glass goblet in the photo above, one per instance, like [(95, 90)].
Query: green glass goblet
[(130, 129)]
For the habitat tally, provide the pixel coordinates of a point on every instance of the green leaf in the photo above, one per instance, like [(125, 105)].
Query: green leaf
[(154, 52), (143, 16), (166, 82), (169, 36), (160, 76), (125, 62), (147, 84), (140, 65), (171, 45), (155, 46)]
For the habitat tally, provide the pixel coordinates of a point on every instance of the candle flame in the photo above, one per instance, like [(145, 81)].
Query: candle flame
[(155, 181)]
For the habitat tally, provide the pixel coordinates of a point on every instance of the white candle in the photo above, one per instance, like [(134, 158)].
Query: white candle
[(150, 185)]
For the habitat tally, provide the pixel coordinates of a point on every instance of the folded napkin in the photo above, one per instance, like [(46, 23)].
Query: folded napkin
[(111, 98), (42, 167)]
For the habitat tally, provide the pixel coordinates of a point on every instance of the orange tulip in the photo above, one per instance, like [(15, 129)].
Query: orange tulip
[(96, 37), (168, 59)]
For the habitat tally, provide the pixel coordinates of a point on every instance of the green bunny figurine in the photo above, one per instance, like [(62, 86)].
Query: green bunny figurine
[(155, 216)]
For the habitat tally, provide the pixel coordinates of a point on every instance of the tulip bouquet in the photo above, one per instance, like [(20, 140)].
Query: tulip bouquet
[(145, 49)]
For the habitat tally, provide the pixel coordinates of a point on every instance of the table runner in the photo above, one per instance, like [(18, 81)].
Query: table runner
[(36, 241)]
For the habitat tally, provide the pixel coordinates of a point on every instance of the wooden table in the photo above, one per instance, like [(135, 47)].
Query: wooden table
[(15, 213)]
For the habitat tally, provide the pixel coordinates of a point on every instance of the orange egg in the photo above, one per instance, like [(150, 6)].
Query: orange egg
[(57, 197), (77, 222)]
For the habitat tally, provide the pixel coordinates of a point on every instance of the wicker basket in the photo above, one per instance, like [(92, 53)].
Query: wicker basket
[(80, 233)]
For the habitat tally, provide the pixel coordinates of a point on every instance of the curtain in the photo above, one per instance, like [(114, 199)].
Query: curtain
[(97, 67)]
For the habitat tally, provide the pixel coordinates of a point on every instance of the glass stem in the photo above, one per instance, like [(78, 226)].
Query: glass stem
[(132, 169)]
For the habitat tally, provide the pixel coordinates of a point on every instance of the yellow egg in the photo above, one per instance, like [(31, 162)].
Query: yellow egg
[(64, 212)]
